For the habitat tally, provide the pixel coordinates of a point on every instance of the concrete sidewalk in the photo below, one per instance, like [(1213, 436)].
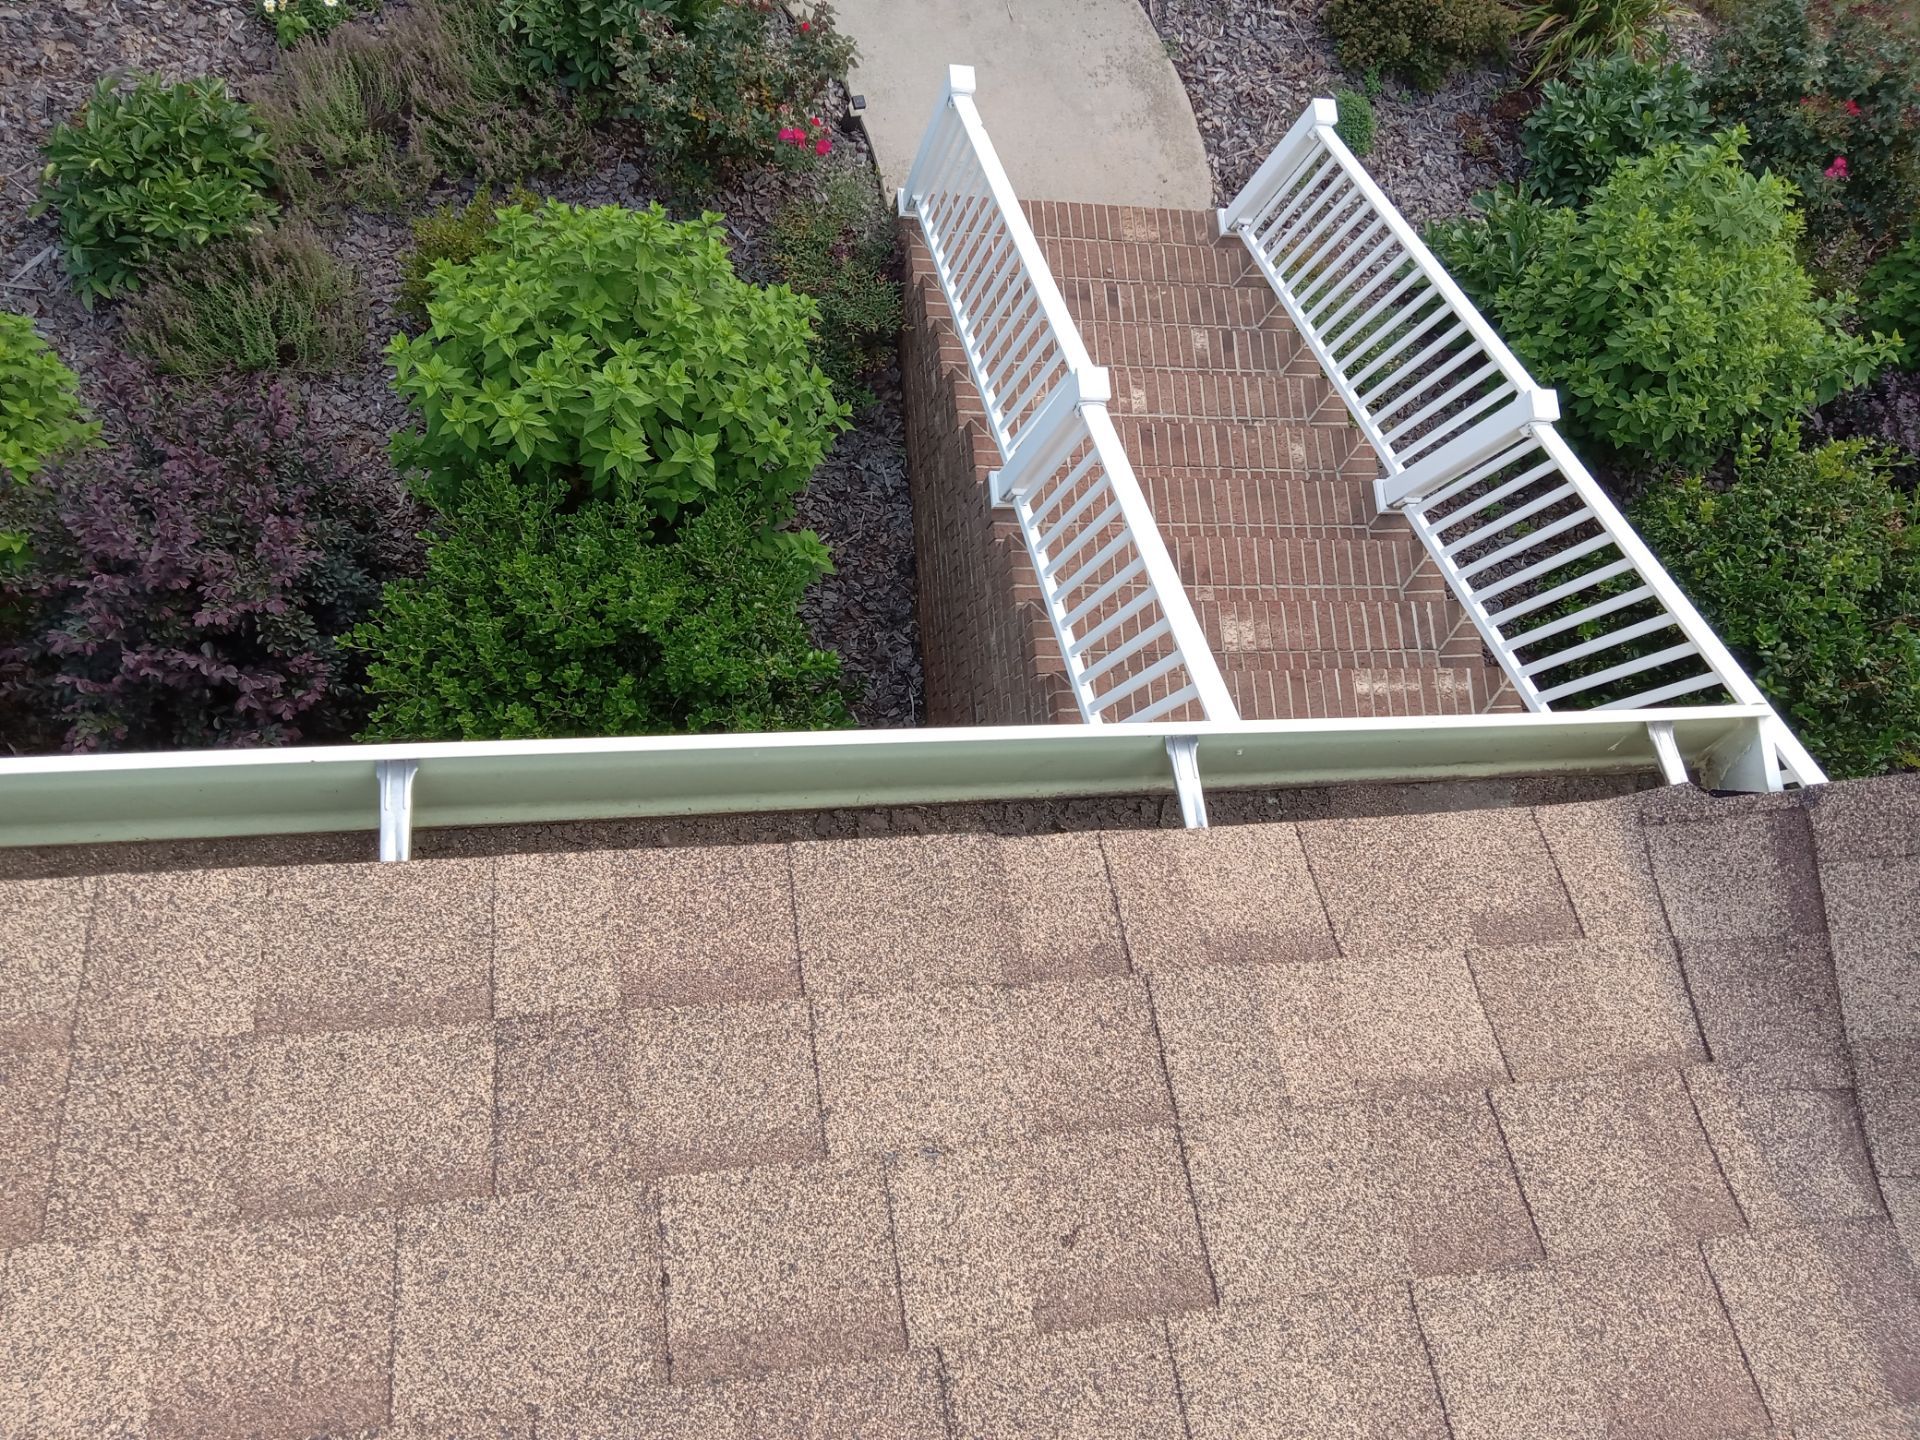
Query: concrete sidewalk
[(1079, 95)]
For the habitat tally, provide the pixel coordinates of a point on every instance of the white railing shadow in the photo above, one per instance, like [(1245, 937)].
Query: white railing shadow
[(1529, 543)]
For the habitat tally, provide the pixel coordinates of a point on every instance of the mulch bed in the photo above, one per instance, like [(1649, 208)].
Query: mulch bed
[(51, 53), (1251, 66)]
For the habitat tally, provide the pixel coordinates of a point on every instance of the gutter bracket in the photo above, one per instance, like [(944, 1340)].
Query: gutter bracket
[(1184, 752), (1666, 749), (395, 778)]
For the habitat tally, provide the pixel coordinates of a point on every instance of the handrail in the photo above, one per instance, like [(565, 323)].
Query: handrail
[(1133, 648), (1527, 540)]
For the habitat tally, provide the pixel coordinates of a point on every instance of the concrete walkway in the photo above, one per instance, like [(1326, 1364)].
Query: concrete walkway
[(1079, 95)]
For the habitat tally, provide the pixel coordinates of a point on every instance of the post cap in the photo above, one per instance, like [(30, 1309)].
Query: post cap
[(960, 79)]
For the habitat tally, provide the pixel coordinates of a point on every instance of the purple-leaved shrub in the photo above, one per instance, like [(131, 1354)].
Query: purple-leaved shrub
[(186, 587)]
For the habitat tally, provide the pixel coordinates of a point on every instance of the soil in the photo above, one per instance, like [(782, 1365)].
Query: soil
[(52, 52)]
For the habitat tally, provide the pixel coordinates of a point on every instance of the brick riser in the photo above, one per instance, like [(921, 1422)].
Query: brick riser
[(1314, 604)]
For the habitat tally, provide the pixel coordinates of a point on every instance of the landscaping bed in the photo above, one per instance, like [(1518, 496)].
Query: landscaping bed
[(351, 223)]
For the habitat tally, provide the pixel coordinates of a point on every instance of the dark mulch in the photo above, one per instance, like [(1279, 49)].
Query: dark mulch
[(1251, 66), (51, 52)]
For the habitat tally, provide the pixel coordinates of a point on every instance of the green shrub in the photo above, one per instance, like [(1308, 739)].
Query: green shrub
[(294, 20), (1355, 125), (1606, 111), (576, 42), (278, 301), (1671, 311), (537, 619), (376, 118), (140, 174), (1808, 566), (743, 87), (619, 351), (456, 234), (1420, 39), (1557, 33), (1891, 299), (40, 414), (838, 249), (1828, 99)]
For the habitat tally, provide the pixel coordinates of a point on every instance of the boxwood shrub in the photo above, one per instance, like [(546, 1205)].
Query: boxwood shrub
[(539, 617), (1808, 566)]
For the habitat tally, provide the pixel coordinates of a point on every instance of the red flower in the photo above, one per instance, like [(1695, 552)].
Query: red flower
[(1838, 169), (1853, 107), (791, 135), (806, 24), (822, 145)]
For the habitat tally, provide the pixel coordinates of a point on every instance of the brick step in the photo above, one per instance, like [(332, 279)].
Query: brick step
[(1166, 302), (1215, 349), (1193, 394), (1302, 447), (1061, 219), (1283, 624), (1207, 559), (1215, 263), (1268, 692), (1239, 500)]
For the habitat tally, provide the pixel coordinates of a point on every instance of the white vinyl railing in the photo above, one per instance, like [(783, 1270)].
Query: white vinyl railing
[(1134, 650), (1568, 599)]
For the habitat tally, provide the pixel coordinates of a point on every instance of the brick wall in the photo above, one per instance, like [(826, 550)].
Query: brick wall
[(989, 655)]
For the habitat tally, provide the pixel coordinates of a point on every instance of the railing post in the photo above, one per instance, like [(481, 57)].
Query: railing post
[(960, 81), (1047, 439), (395, 779), (1745, 761), (1286, 157)]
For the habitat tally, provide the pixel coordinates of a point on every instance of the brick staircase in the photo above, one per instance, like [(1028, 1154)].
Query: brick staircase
[(1315, 605)]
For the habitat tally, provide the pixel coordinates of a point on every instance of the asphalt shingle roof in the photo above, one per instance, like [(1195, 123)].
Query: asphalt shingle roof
[(1585, 1120)]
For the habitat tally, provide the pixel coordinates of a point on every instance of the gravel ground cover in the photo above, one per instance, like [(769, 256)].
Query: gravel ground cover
[(53, 51)]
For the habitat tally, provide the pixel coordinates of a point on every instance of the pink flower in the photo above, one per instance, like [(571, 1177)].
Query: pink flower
[(791, 135), (1838, 169), (822, 145), (806, 25), (1853, 107)]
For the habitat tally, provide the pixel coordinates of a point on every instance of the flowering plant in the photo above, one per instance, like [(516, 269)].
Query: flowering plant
[(742, 88), (1831, 98)]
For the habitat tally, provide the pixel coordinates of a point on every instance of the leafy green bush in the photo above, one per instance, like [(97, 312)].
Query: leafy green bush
[(1355, 125), (40, 414), (376, 118), (1420, 39), (1809, 567), (1671, 311), (278, 301), (838, 249), (1827, 96), (576, 42), (294, 20), (1557, 33), (140, 174), (456, 234), (741, 87), (1890, 298), (618, 351), (536, 619), (1603, 112)]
